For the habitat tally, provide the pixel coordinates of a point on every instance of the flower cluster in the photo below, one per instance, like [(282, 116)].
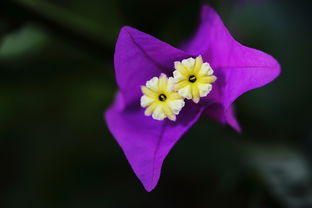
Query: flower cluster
[(164, 97), (143, 64)]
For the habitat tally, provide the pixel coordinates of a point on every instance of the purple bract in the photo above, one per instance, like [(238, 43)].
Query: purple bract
[(140, 57)]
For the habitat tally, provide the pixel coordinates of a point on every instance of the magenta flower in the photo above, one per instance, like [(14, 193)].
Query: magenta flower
[(209, 72)]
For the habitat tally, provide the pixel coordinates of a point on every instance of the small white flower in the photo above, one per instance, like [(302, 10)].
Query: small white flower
[(160, 99), (193, 78)]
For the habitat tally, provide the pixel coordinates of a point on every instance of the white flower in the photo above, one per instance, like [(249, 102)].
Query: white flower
[(193, 78), (160, 99)]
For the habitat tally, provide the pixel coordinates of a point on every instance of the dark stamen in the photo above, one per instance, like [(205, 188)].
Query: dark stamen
[(192, 79), (162, 97)]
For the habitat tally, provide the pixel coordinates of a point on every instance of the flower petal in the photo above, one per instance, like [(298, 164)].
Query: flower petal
[(237, 67), (139, 57), (224, 116), (145, 141), (239, 80)]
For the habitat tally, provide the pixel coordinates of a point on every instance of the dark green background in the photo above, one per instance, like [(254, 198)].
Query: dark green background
[(57, 79)]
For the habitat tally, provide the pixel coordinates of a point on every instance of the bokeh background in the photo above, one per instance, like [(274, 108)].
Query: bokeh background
[(57, 79)]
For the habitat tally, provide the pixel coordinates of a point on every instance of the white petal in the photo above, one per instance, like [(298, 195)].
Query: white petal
[(158, 114), (178, 76), (146, 101), (147, 113), (171, 83), (152, 83), (204, 89), (174, 118), (206, 69), (176, 105), (186, 92), (189, 63)]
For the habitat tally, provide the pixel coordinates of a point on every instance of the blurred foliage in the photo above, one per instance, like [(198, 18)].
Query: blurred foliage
[(22, 42), (57, 78)]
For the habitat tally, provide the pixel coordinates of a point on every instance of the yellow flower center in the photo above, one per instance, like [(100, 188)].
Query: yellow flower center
[(160, 99), (193, 78)]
